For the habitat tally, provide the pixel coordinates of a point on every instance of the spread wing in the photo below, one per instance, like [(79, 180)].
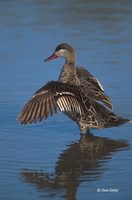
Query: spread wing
[(92, 87), (48, 100)]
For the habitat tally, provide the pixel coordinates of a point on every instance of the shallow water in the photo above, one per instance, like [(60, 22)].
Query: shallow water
[(50, 160)]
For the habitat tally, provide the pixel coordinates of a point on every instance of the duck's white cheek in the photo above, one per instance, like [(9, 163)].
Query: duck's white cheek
[(61, 53)]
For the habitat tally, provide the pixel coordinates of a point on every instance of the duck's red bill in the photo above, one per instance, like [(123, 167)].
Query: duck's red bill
[(53, 56)]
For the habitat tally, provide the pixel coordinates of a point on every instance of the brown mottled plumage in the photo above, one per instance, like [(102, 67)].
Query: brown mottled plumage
[(77, 94)]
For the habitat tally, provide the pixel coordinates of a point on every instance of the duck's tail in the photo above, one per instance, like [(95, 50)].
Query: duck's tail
[(107, 118), (117, 121)]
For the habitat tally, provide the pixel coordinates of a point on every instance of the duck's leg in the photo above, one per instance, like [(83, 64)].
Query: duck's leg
[(84, 129), (86, 134)]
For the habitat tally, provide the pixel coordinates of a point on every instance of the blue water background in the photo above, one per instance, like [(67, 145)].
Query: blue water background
[(37, 161)]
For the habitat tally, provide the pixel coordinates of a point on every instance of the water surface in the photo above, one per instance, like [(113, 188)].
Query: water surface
[(50, 160)]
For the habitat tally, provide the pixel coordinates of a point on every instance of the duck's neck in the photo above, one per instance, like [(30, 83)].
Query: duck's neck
[(68, 72), (70, 58)]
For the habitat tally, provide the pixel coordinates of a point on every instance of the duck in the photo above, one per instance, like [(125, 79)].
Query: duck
[(76, 93)]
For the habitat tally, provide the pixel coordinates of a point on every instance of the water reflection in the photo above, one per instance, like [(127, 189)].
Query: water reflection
[(81, 161)]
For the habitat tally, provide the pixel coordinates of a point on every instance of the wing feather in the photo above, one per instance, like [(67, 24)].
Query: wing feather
[(47, 100), (46, 109), (34, 111), (93, 87), (42, 109)]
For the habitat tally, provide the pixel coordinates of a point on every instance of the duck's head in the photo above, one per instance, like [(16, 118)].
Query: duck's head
[(62, 50)]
